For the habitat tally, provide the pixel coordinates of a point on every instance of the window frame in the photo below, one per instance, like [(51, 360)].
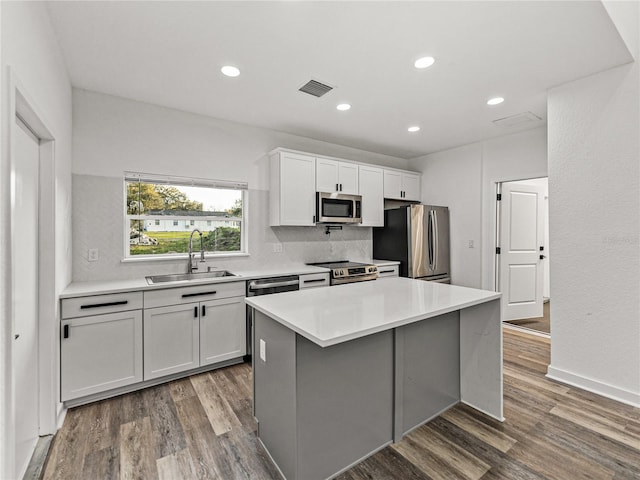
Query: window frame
[(176, 181)]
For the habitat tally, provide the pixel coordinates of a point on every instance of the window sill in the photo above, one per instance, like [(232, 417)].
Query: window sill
[(180, 258)]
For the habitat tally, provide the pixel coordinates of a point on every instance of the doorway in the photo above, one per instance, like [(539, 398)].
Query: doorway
[(26, 157), (29, 403), (522, 256)]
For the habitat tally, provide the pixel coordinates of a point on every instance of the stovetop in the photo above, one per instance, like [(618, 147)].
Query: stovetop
[(339, 264), (344, 271)]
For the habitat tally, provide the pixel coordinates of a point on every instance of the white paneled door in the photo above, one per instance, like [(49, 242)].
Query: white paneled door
[(520, 238), (25, 297)]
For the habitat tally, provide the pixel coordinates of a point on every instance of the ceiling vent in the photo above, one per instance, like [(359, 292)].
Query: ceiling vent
[(314, 88), (518, 120)]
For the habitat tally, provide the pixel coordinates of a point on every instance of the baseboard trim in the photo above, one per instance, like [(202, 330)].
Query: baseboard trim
[(594, 386), (62, 413)]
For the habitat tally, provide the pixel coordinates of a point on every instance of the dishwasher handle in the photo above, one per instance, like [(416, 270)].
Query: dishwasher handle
[(263, 286)]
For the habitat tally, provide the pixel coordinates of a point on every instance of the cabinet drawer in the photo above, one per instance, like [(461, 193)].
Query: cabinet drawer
[(98, 304), (200, 293), (388, 271), (314, 280)]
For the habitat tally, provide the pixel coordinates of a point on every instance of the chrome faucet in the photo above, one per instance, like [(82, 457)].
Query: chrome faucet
[(191, 265)]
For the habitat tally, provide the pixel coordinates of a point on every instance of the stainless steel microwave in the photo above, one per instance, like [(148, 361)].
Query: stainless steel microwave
[(338, 208)]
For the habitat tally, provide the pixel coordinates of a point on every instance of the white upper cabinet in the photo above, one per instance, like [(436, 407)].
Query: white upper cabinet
[(372, 191), (293, 189), (295, 177), (335, 176), (411, 186), (392, 184), (401, 185)]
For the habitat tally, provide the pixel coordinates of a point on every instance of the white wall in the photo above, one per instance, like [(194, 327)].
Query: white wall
[(113, 135), (464, 179), (29, 46), (453, 178), (594, 188)]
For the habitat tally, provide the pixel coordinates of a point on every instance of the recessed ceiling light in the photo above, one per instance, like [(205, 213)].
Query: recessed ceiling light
[(424, 62), (413, 129), (343, 107), (495, 101), (230, 71)]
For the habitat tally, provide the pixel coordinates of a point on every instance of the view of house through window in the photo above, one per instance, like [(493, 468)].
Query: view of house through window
[(162, 212)]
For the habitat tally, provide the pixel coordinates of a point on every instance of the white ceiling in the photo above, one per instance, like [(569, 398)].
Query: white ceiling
[(170, 54)]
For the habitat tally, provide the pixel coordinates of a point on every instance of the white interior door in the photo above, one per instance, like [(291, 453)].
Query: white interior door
[(521, 236), (25, 294)]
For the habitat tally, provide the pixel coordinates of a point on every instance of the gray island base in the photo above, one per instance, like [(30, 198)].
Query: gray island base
[(324, 408)]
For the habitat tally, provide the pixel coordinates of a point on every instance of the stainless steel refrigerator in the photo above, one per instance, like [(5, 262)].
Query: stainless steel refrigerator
[(418, 237)]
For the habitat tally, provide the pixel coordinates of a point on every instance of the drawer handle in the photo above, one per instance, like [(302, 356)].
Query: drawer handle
[(65, 331), (386, 271), (187, 295), (109, 304), (315, 280)]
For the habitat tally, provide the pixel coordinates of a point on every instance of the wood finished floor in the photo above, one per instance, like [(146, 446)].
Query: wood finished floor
[(539, 324), (202, 427)]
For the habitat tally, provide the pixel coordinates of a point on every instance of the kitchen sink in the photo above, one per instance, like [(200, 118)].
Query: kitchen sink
[(187, 277)]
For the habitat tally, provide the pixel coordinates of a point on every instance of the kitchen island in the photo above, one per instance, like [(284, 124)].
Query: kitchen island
[(343, 371)]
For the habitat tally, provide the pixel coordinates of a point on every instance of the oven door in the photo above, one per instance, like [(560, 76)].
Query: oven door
[(338, 208)]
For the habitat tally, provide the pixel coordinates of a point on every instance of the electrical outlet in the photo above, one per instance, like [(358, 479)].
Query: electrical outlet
[(93, 254), (471, 245), (277, 248), (263, 350)]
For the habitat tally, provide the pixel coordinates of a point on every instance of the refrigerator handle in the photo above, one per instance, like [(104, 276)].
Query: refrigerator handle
[(436, 247), (430, 240)]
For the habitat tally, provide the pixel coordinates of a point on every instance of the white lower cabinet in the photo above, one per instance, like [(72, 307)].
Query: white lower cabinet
[(184, 336), (388, 271), (100, 352), (314, 280), (171, 339), (223, 330)]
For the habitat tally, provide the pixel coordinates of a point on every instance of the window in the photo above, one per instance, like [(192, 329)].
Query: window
[(161, 212)]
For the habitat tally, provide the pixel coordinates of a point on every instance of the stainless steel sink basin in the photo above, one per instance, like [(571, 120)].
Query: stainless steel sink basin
[(187, 277)]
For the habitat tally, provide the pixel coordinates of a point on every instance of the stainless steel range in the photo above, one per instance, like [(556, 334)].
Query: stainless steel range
[(348, 272)]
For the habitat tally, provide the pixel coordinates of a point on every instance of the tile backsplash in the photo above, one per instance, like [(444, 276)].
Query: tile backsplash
[(98, 223)]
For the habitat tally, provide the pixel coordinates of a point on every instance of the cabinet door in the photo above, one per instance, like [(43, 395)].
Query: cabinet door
[(171, 339), (392, 184), (297, 189), (372, 191), (223, 330), (348, 178), (411, 186), (327, 176), (100, 352)]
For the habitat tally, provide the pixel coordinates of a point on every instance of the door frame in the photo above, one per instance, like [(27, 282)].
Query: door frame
[(22, 105), (490, 232), (496, 227)]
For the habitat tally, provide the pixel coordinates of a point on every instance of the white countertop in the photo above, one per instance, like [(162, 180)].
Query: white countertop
[(329, 316), (384, 263), (84, 289)]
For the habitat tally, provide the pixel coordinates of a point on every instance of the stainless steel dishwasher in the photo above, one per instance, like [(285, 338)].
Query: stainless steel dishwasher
[(266, 286)]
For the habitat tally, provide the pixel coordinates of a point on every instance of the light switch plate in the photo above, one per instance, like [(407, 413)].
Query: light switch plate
[(277, 248), (93, 254), (263, 350)]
